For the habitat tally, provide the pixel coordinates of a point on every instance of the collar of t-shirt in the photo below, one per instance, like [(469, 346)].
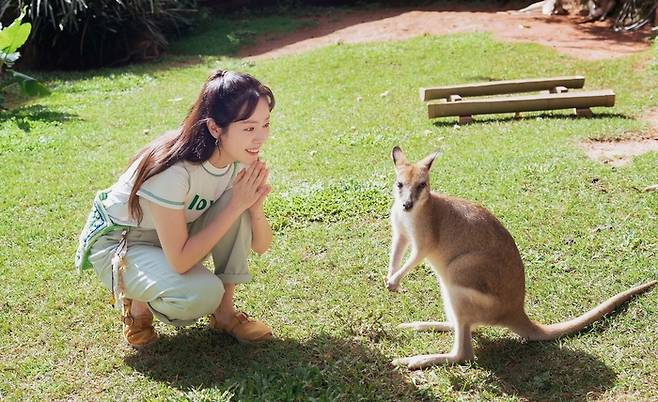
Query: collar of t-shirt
[(213, 170)]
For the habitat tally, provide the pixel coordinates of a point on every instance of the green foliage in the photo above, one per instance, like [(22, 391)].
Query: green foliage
[(15, 35), (12, 38), (85, 34)]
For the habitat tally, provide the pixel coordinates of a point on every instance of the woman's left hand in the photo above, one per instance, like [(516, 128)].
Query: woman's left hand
[(264, 188), (260, 228)]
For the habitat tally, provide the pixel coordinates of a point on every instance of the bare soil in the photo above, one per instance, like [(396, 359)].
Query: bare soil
[(566, 34), (620, 151)]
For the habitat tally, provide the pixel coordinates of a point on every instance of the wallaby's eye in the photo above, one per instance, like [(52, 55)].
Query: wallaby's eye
[(422, 184), (399, 184)]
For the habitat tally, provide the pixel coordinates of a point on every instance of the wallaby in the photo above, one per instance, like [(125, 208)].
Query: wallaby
[(599, 9), (548, 7), (477, 263)]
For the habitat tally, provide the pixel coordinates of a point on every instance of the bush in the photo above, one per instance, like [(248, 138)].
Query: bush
[(12, 38), (92, 33)]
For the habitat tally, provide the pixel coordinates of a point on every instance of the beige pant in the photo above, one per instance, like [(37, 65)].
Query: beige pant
[(177, 299)]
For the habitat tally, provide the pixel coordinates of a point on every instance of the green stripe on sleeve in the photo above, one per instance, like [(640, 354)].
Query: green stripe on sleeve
[(156, 198)]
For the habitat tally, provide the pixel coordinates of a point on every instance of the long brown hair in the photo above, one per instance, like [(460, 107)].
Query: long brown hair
[(226, 97)]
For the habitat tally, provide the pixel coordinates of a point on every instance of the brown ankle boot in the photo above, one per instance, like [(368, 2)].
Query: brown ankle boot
[(139, 331)]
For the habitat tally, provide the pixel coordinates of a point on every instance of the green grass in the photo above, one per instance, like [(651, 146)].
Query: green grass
[(224, 36), (583, 229)]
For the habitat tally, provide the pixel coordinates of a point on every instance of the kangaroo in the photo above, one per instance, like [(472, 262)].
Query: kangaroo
[(477, 263)]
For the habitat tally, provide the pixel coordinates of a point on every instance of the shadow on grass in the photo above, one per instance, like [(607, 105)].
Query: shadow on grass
[(322, 367), (479, 119), (25, 115), (539, 371)]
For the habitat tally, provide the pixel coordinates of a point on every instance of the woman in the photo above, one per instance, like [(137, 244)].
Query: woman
[(194, 192)]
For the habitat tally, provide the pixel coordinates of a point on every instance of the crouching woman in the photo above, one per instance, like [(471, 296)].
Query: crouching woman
[(191, 193)]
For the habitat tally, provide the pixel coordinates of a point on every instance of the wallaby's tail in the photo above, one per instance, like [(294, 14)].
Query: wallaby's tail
[(538, 332)]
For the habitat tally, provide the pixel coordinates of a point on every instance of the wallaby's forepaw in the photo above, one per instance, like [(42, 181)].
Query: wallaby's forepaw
[(392, 286)]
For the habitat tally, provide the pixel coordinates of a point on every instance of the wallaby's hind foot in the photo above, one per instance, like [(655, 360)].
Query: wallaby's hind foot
[(424, 361), (427, 326), (462, 350)]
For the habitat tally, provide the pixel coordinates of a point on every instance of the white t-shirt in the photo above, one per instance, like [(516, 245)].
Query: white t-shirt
[(192, 187)]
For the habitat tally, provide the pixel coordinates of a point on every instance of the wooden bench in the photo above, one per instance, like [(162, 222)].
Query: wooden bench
[(554, 96)]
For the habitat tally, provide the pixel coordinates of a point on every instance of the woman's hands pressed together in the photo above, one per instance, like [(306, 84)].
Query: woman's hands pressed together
[(250, 188), (249, 192)]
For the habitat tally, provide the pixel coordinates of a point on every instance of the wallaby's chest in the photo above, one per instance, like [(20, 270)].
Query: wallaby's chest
[(409, 225)]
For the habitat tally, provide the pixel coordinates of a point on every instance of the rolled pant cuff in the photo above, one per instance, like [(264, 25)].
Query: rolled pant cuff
[(167, 320), (234, 278)]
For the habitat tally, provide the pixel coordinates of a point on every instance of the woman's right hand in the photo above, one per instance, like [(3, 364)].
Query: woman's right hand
[(248, 186)]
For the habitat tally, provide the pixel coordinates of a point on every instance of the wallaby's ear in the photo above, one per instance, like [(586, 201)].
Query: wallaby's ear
[(398, 156), (427, 162)]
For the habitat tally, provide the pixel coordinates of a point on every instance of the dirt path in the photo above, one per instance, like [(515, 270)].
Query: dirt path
[(592, 41)]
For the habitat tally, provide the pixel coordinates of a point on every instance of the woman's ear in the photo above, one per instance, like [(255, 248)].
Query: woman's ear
[(214, 129)]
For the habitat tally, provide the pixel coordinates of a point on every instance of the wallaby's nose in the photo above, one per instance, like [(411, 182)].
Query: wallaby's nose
[(407, 205)]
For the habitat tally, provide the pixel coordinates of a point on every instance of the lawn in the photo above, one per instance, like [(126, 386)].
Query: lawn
[(584, 230)]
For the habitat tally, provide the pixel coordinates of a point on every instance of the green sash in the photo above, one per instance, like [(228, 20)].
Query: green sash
[(98, 224)]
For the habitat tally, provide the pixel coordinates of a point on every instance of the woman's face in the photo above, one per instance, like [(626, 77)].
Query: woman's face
[(241, 140)]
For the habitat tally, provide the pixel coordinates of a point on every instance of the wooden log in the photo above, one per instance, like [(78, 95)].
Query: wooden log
[(464, 120), (502, 87), (584, 112), (527, 103), (558, 90)]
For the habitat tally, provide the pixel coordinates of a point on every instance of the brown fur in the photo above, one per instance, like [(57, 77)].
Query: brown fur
[(476, 261)]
